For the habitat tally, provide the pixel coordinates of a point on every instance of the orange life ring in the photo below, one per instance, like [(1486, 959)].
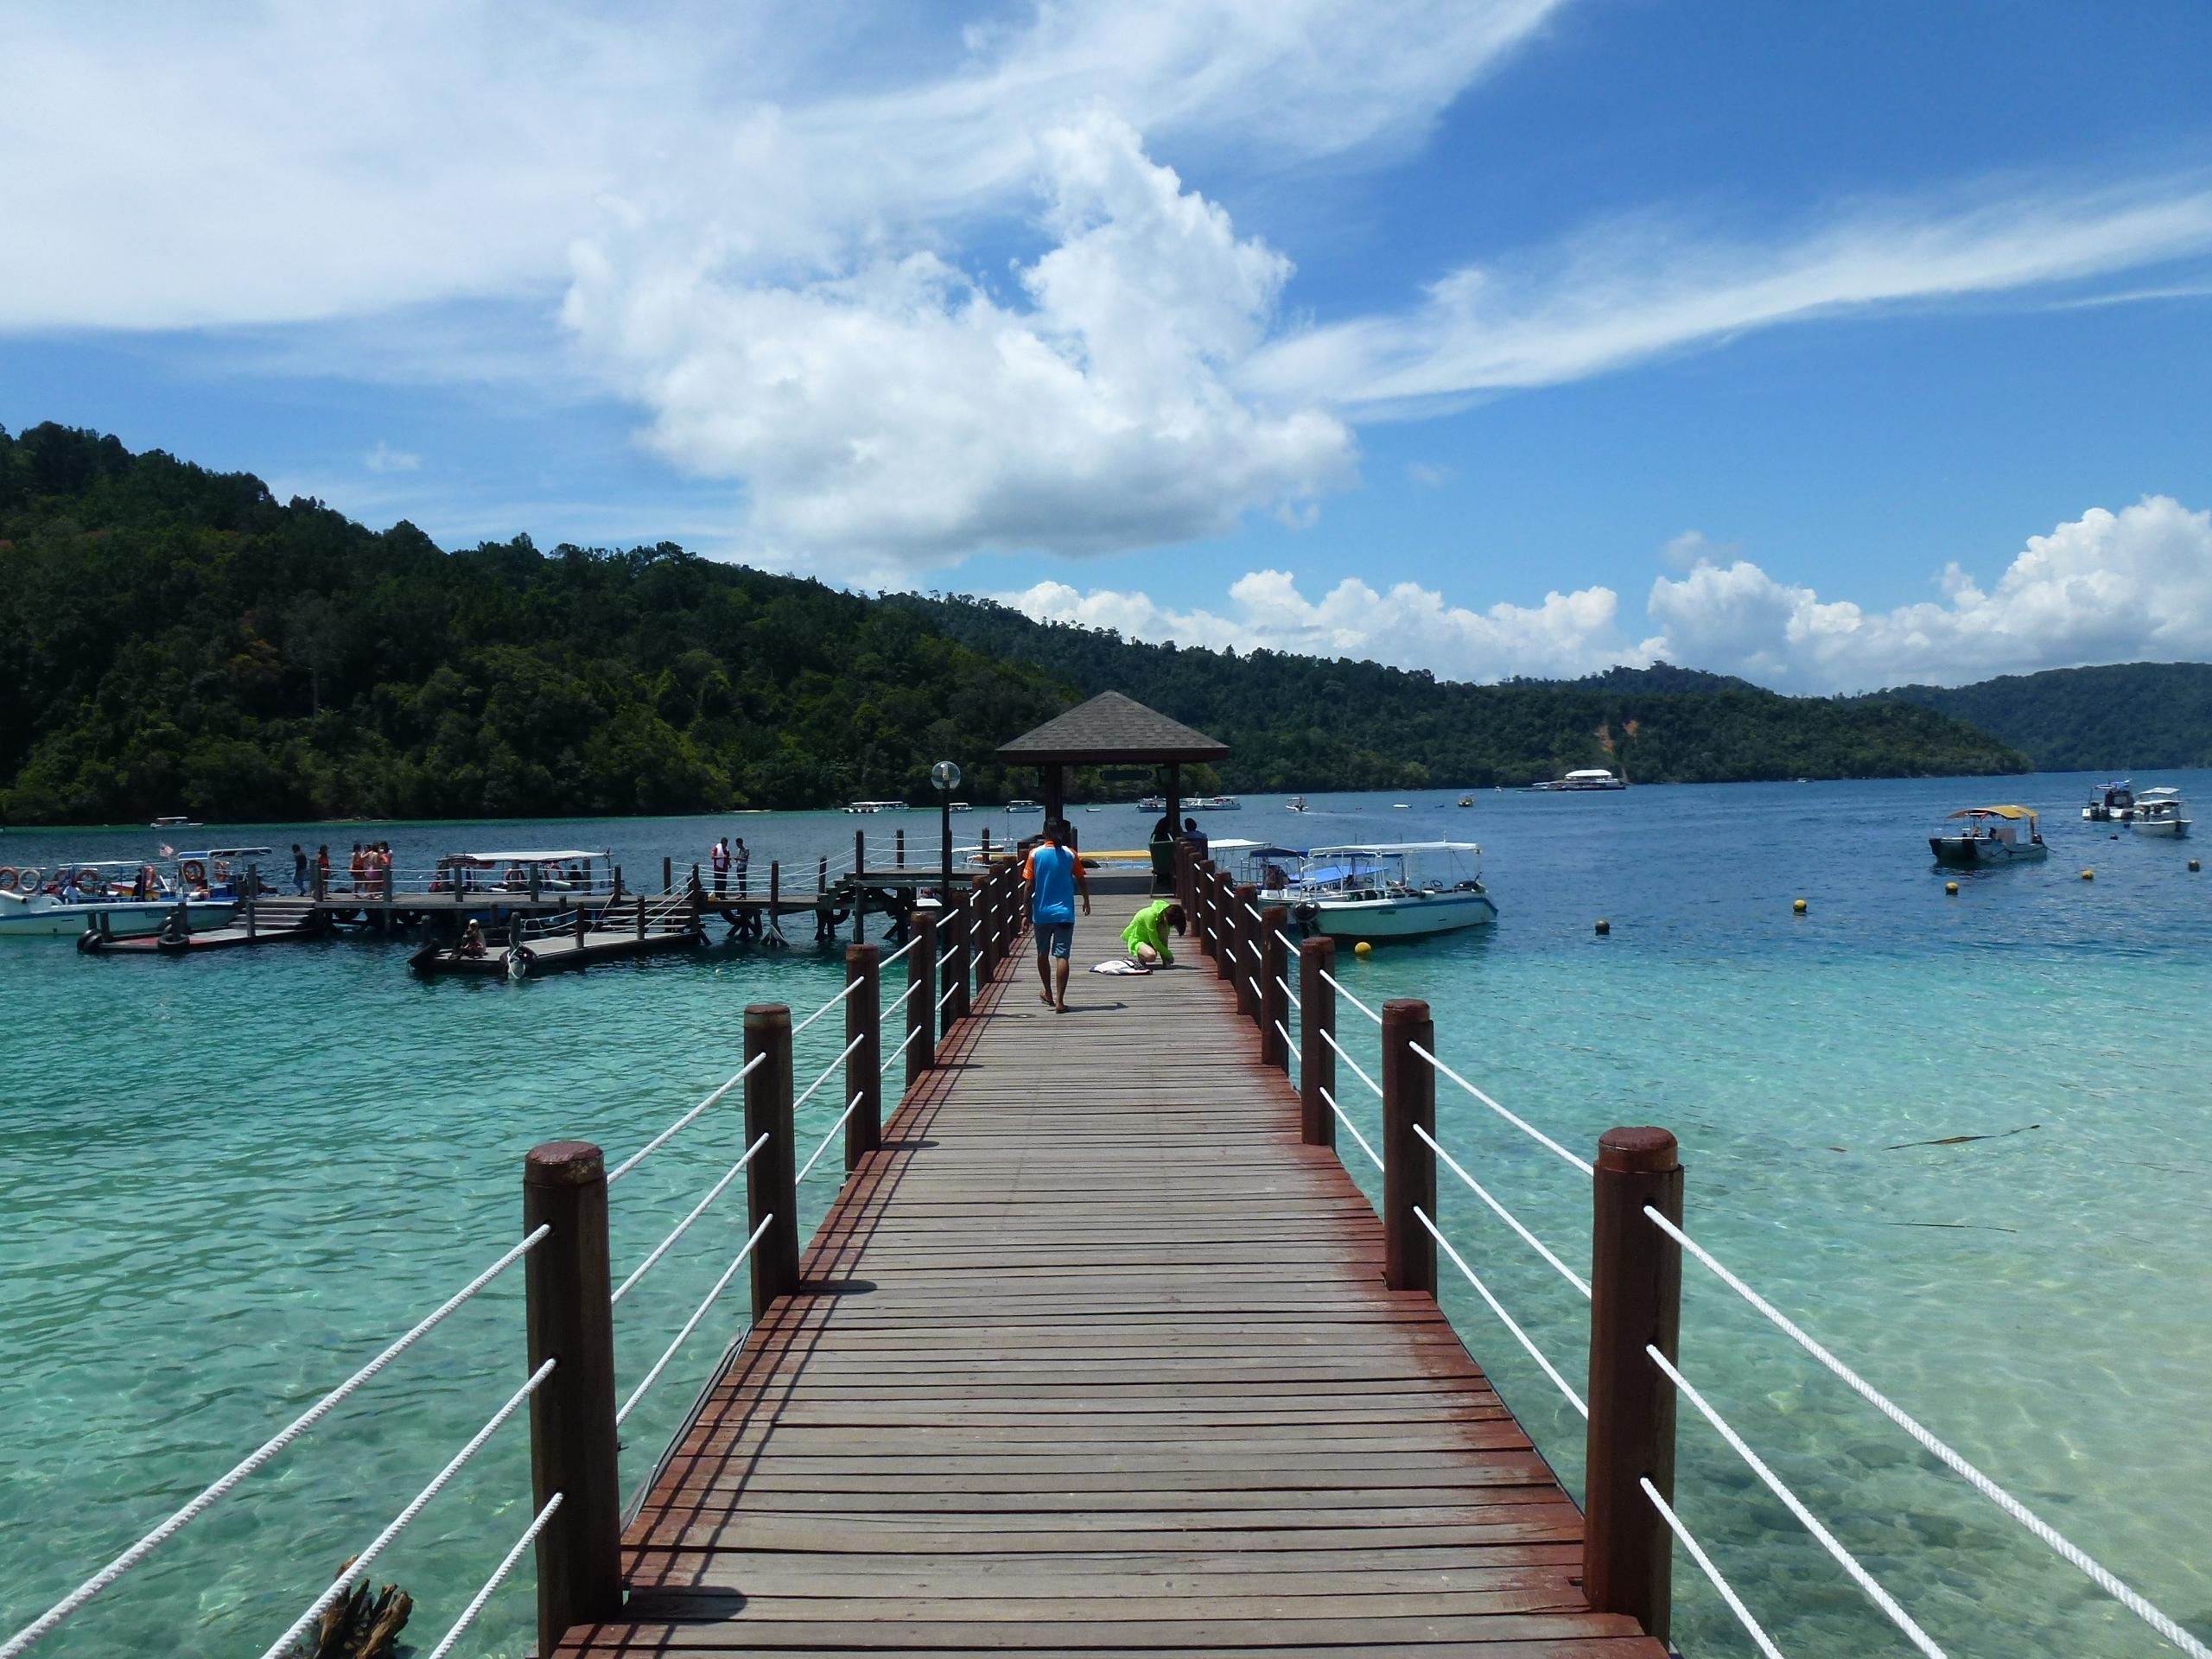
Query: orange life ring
[(192, 871), (90, 881), (7, 878)]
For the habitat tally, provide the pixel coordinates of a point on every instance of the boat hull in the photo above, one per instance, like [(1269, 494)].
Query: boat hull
[(2169, 828), (1412, 917), (47, 918), (1968, 851)]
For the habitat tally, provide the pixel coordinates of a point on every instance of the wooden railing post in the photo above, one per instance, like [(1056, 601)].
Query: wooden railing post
[(1636, 1300), (1317, 1061), (921, 1000), (1244, 930), (863, 1066), (667, 874), (981, 905), (955, 979), (1409, 1166), (899, 840), (1275, 988), (580, 918), (572, 1444), (770, 1190)]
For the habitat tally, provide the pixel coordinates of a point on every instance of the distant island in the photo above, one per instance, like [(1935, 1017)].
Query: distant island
[(2129, 714), (175, 640)]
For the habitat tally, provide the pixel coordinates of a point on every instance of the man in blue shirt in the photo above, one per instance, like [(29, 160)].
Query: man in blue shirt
[(1055, 877)]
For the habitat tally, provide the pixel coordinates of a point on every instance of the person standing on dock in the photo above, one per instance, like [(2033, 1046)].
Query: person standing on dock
[(1055, 876), (299, 872), (718, 857), (354, 866), (740, 859)]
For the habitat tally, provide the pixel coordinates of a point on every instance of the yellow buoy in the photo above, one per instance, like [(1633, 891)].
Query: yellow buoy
[(2088, 875), (1363, 948), (1603, 926), (1951, 887), (1798, 906)]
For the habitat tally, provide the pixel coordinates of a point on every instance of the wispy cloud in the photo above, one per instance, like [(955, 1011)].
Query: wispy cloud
[(1623, 292), (384, 459)]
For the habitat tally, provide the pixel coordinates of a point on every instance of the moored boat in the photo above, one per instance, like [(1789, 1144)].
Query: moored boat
[(2159, 812), (1024, 806), (1388, 890), (1592, 778), (1989, 834), (1212, 803), (131, 897), (2113, 803)]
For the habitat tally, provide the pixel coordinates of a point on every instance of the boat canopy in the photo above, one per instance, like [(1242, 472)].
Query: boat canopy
[(1994, 812), (528, 857), (1373, 848), (1229, 844), (2162, 793), (229, 852)]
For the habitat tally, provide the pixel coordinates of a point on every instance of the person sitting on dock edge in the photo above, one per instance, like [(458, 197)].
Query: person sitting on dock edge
[(471, 941), (1146, 937), (1054, 876)]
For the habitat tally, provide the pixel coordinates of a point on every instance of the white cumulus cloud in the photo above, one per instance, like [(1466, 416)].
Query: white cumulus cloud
[(900, 413), (1412, 627), (2107, 586)]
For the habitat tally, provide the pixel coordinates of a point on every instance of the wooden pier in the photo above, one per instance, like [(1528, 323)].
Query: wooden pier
[(1094, 1353)]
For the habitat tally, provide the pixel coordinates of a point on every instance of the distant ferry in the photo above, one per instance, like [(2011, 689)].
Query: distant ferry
[(875, 806), (175, 821), (1586, 778), (1215, 804), (1023, 806)]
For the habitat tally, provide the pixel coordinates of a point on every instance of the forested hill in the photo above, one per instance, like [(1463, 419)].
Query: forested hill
[(1306, 723), (173, 639), (2089, 719)]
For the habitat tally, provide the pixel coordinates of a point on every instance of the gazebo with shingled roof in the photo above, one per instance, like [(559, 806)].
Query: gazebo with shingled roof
[(1109, 730)]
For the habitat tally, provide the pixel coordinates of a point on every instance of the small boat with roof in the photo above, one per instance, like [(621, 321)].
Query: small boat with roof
[(2113, 803), (1386, 890), (1988, 834), (2159, 812)]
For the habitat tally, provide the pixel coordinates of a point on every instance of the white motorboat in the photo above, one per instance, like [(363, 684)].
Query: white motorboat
[(131, 895), (1592, 778), (1023, 806), (1992, 835), (1154, 804), (875, 806), (2159, 812), (1297, 804), (1388, 890), (2113, 803), (1214, 804)]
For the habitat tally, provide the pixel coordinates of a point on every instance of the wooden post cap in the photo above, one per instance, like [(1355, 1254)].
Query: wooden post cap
[(1636, 1151), (564, 1163), (856, 955), (1400, 1008), (765, 1017)]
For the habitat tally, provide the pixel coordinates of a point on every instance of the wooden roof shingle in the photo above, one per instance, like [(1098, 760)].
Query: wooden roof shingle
[(1110, 729)]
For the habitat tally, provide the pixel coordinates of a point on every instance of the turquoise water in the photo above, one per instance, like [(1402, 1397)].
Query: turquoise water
[(231, 1178)]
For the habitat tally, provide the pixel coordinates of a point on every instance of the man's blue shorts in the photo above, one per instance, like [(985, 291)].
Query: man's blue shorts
[(1055, 939)]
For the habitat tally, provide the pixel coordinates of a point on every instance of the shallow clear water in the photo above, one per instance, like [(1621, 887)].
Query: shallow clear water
[(231, 1178)]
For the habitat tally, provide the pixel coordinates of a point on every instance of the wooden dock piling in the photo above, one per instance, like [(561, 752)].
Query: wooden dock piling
[(921, 997), (864, 1034), (1317, 1023), (573, 1449), (1636, 1300), (770, 1189), (1274, 989), (1408, 1165)]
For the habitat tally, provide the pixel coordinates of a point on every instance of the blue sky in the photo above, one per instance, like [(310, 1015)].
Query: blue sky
[(1833, 346)]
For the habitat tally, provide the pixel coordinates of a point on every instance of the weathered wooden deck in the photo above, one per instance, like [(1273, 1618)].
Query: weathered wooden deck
[(1094, 1356)]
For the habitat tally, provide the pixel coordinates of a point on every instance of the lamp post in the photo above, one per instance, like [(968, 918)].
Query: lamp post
[(946, 776)]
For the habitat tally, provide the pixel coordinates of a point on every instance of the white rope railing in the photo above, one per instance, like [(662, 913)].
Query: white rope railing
[(1791, 1500), (950, 991), (900, 1002), (1505, 1215), (808, 1167), (361, 1563), (1287, 992), (684, 1225), (2050, 1535), (1515, 1119), (913, 939), (675, 1129), (903, 1047), (851, 985), (951, 951), (498, 1577), (1504, 1317), (1704, 1562), (1289, 1044), (1289, 943), (1330, 1038), (45, 1622), (829, 1070), (1353, 1128), (1349, 998), (691, 1324)]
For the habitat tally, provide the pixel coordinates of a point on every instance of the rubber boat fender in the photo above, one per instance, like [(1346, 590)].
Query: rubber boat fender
[(89, 940), (520, 959)]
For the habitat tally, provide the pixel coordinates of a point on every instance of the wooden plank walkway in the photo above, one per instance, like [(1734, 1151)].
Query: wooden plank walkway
[(1094, 1356)]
